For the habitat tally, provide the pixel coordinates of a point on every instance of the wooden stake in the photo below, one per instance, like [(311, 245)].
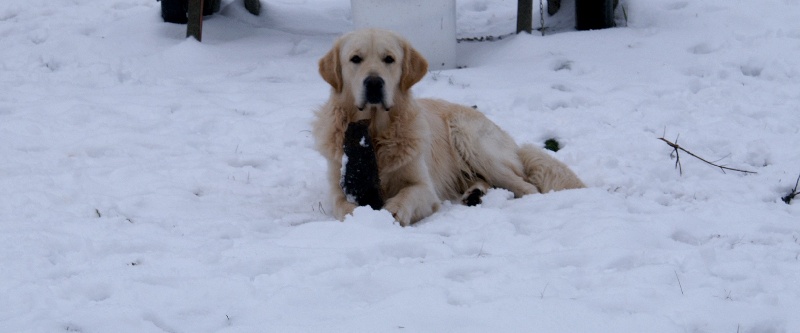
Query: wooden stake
[(524, 16), (194, 28)]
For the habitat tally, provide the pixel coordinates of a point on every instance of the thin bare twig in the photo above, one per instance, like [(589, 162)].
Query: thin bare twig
[(679, 281), (788, 198), (676, 149), (321, 210)]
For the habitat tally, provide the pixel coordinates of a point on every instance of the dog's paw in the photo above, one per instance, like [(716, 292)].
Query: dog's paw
[(401, 214), (343, 208), (406, 215)]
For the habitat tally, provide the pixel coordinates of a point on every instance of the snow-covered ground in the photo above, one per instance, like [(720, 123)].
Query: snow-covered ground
[(155, 184)]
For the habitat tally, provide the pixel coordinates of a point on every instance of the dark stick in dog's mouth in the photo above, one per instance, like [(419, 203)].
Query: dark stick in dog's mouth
[(360, 181)]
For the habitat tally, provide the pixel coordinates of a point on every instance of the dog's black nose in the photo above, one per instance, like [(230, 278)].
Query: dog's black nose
[(373, 89)]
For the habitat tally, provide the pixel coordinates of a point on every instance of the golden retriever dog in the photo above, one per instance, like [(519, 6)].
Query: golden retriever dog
[(427, 150)]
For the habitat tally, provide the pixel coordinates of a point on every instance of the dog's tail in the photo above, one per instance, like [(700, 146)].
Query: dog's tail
[(546, 172)]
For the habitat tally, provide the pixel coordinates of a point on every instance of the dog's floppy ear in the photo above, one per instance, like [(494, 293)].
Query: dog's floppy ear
[(330, 69), (414, 67)]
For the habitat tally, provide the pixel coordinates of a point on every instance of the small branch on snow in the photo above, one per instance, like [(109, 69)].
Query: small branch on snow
[(319, 206), (788, 198), (679, 281), (677, 149)]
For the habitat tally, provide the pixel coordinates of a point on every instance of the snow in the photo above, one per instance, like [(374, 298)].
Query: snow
[(156, 184)]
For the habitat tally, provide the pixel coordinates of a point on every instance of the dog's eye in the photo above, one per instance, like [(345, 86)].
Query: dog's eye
[(388, 59), (356, 59)]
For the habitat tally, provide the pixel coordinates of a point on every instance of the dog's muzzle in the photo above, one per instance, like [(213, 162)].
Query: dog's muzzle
[(374, 92)]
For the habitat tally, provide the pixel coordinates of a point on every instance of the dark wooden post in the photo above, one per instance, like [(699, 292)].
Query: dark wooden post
[(194, 28), (524, 16)]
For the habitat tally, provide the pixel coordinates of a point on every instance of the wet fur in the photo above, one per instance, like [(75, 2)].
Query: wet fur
[(427, 150)]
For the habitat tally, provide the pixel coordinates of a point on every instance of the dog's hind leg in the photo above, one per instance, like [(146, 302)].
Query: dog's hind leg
[(546, 172), (490, 152), (509, 175)]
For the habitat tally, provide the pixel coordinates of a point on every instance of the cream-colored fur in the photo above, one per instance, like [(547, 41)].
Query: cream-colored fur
[(428, 150)]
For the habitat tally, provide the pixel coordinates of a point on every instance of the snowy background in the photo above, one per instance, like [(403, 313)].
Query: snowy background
[(152, 183)]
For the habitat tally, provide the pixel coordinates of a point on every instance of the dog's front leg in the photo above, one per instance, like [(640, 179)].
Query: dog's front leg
[(416, 199), (341, 207), (412, 204)]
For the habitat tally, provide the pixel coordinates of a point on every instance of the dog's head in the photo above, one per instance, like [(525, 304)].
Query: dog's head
[(372, 66)]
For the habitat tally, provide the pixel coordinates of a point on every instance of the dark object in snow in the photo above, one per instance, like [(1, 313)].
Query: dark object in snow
[(594, 14), (788, 198), (253, 6), (360, 180), (174, 11), (552, 144)]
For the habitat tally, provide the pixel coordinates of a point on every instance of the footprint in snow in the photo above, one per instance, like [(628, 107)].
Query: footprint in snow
[(704, 48)]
